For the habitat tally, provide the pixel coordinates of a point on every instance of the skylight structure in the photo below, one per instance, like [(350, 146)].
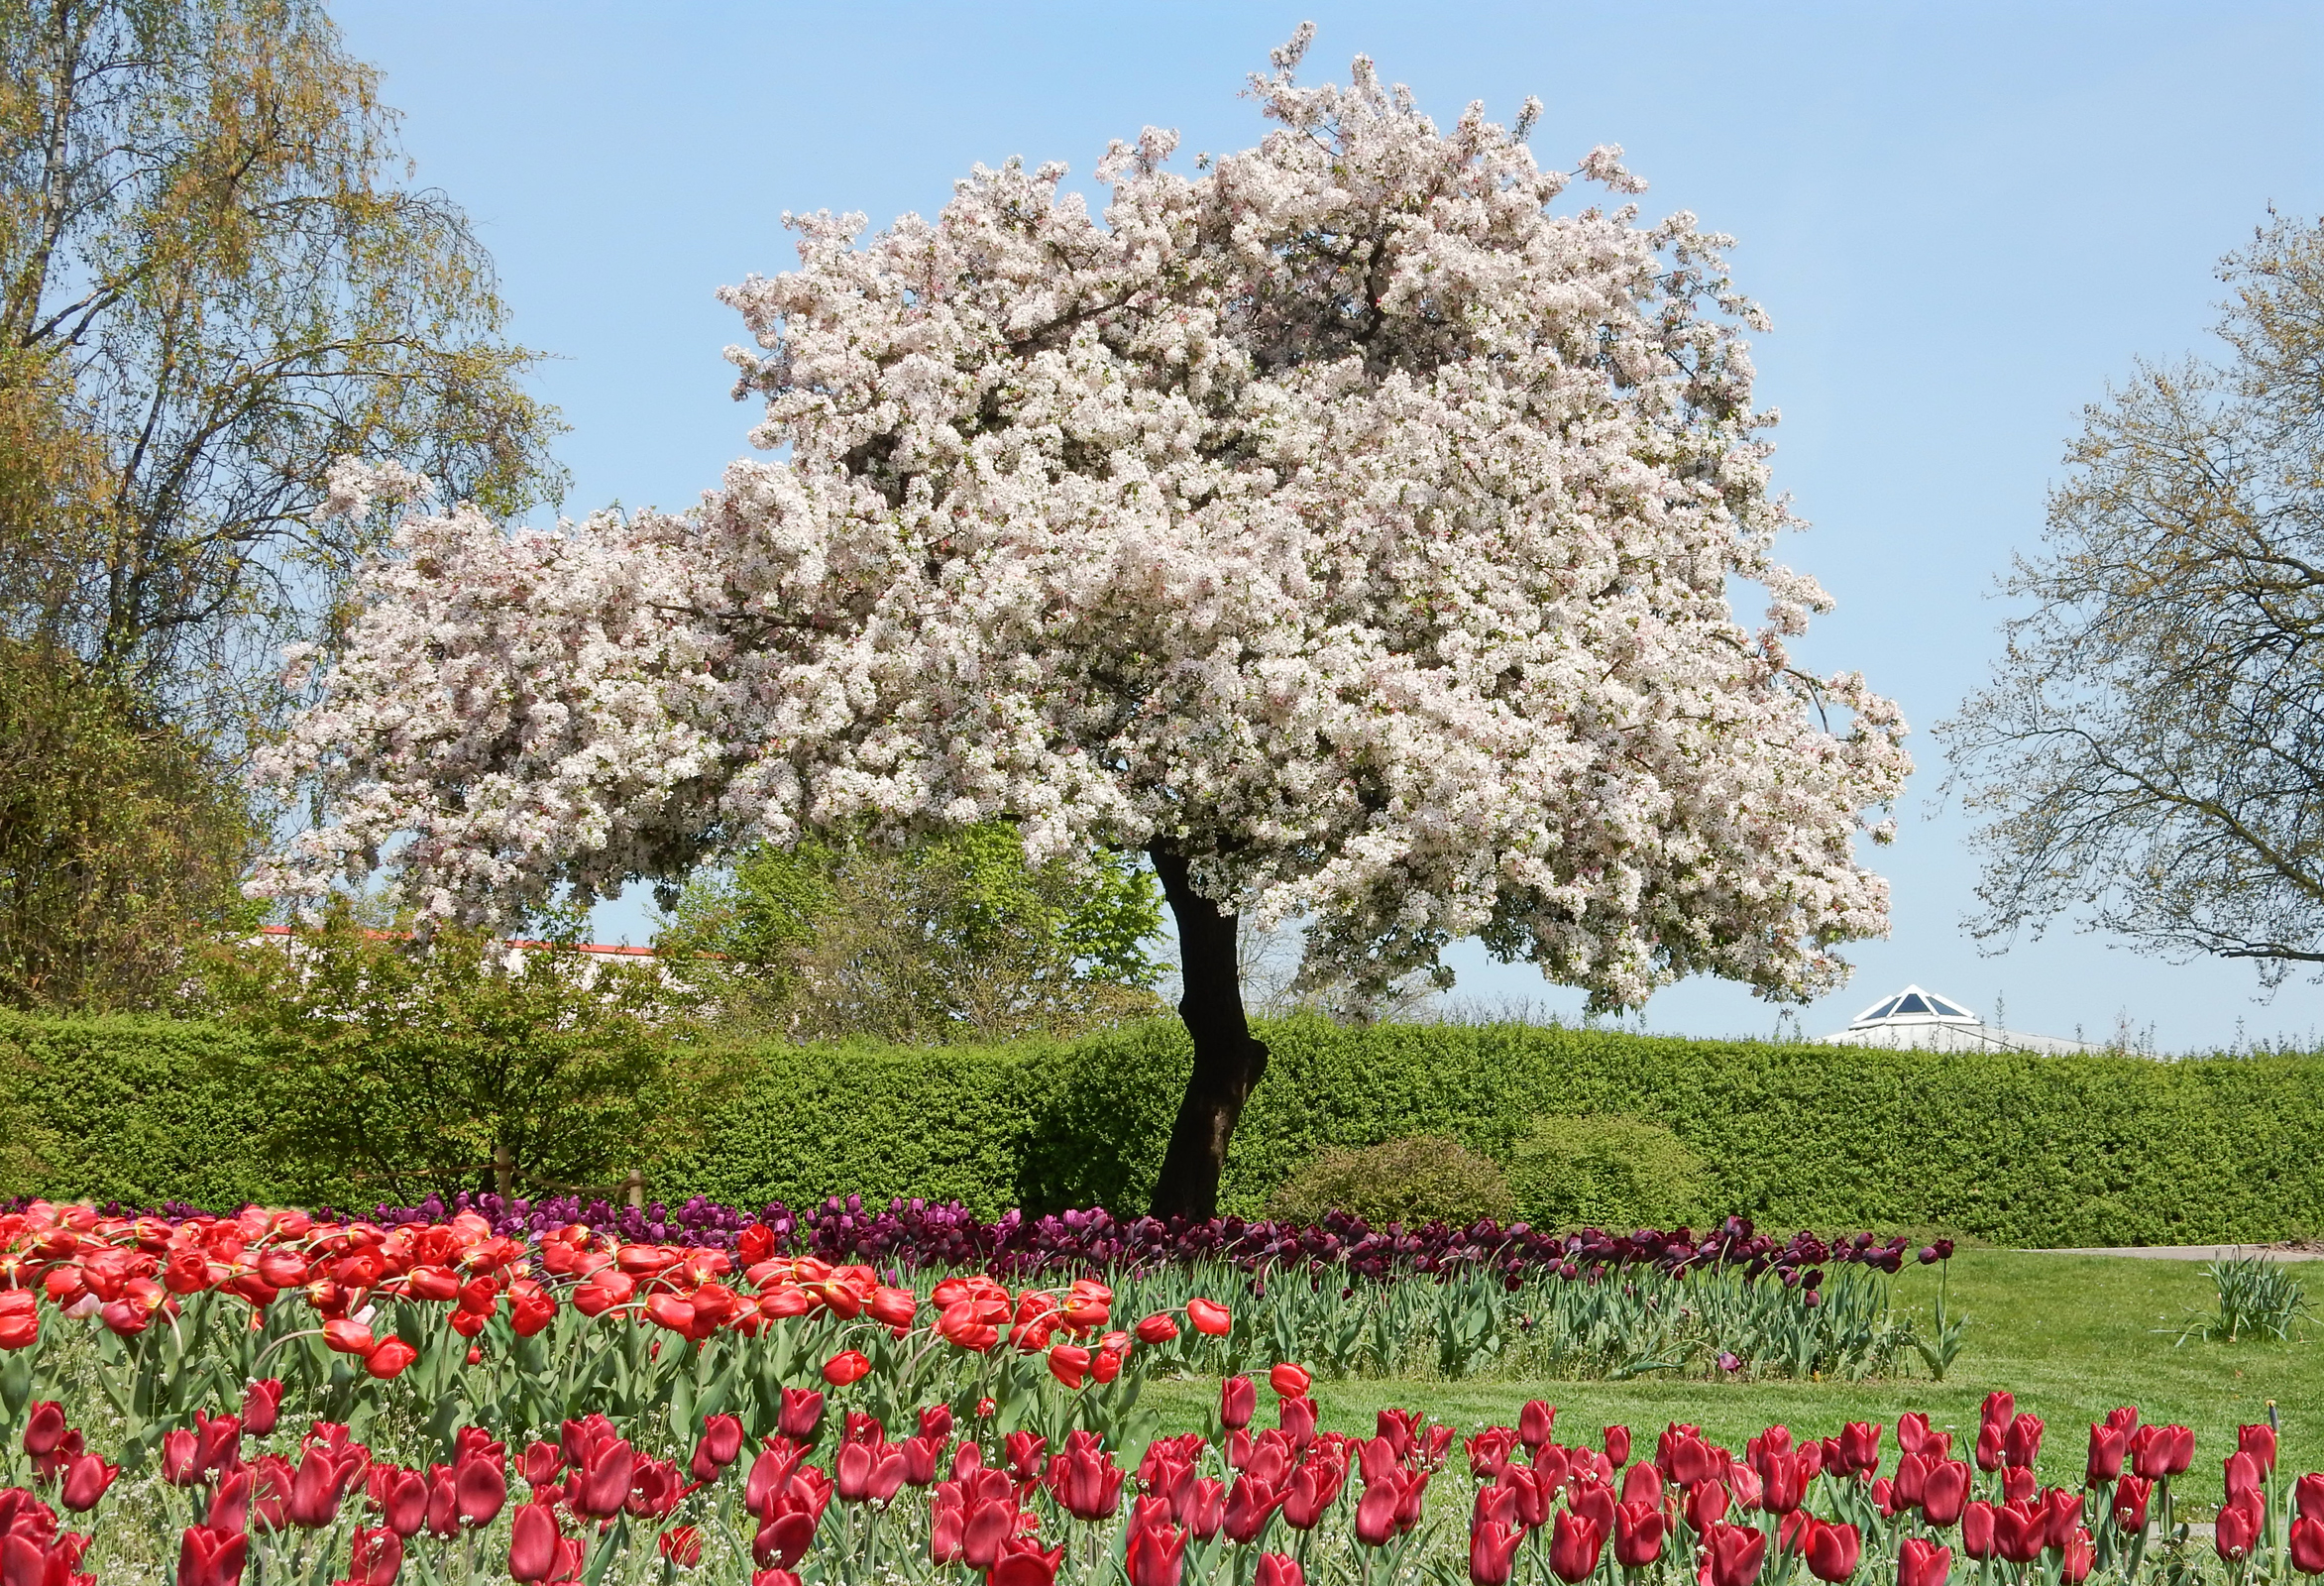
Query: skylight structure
[(1923, 1020)]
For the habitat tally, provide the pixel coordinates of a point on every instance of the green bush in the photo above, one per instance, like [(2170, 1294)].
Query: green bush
[(2009, 1147), (1422, 1179), (1610, 1172)]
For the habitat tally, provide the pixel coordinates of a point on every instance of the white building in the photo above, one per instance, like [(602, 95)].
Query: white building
[(1925, 1021)]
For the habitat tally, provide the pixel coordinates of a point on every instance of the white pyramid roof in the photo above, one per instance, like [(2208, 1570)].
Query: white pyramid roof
[(1921, 1019), (1913, 1005)]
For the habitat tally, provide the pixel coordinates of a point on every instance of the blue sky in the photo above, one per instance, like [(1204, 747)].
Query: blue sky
[(1965, 220)]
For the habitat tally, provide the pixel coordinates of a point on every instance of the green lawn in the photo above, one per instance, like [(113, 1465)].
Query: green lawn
[(2072, 1337)]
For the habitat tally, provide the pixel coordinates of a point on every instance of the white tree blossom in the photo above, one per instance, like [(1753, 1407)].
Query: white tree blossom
[(1346, 518)]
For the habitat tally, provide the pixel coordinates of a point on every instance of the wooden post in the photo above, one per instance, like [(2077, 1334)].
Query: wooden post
[(636, 1182)]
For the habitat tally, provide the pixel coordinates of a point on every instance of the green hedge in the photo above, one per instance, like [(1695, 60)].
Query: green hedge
[(2016, 1149)]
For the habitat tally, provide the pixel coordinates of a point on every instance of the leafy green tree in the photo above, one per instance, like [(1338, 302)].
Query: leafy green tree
[(122, 840), (212, 268), (953, 938), (461, 1060)]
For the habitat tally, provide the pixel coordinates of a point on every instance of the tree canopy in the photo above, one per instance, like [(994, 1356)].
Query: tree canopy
[(213, 282), (2150, 753), (952, 937), (1349, 524)]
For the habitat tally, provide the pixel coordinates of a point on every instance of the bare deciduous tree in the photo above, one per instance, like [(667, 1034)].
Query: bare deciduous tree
[(2151, 750)]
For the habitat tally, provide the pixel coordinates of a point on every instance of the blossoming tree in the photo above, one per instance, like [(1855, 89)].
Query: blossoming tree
[(1342, 525)]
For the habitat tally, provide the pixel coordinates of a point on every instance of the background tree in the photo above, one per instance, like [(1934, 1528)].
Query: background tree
[(1341, 525), (952, 937), (459, 1062), (208, 271), (2151, 750), (123, 841)]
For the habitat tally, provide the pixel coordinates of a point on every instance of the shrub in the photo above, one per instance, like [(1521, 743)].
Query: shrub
[(1420, 1180), (1607, 1171), (2009, 1147)]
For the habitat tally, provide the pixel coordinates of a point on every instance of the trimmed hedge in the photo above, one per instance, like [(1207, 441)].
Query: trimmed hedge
[(2012, 1148)]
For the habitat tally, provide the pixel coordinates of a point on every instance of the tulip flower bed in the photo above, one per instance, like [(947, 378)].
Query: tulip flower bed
[(270, 1397), (1349, 1299)]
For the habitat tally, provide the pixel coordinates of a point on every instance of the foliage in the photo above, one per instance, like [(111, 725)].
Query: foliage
[(122, 840), (452, 1060), (1414, 1181), (2150, 750), (1610, 1172), (212, 285), (2009, 1147), (2256, 1297), (954, 937)]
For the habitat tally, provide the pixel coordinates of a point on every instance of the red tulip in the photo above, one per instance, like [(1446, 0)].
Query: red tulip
[(682, 1546), (19, 1317), (1737, 1554), (1834, 1552), (1157, 1551), (2307, 1496), (262, 1404), (1912, 1430), (1574, 1546), (802, 1415), (1616, 1441), (1945, 1491), (1493, 1551), (349, 1337), (1977, 1528), (44, 1429), (1859, 1448), (1237, 1400), (2075, 1558), (375, 1557), (85, 1481), (2307, 1546), (401, 1496), (1023, 1563), (221, 1440), (1638, 1531), (1290, 1382), (1251, 1502), (847, 1366), (605, 1473), (2021, 1445), (1706, 1506), (2020, 1534), (2108, 1444), (533, 1544), (315, 1491), (2238, 1528), (1920, 1562), (1785, 1478), (2129, 1507), (1535, 1421), (2259, 1443), (230, 1498), (479, 1486), (1069, 1364), (389, 1358), (1158, 1328), (1280, 1569), (1209, 1318), (208, 1557)]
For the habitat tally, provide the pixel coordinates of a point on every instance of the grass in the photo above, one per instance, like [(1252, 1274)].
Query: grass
[(2072, 1337)]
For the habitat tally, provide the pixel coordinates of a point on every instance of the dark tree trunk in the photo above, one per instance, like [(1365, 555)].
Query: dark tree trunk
[(1228, 1059)]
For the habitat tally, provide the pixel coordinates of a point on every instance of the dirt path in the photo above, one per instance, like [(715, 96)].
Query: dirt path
[(2192, 1252)]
